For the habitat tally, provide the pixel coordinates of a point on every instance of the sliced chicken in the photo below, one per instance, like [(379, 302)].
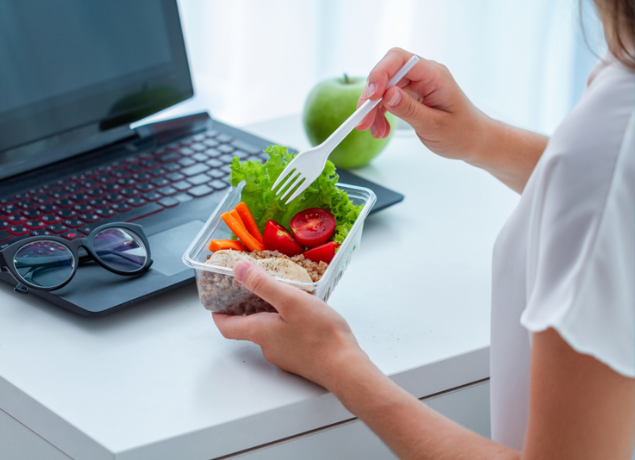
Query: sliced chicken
[(279, 267)]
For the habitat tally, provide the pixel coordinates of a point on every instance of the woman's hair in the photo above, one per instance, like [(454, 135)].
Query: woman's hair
[(618, 18)]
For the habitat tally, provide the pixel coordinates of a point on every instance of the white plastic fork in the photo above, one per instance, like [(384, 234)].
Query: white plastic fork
[(308, 165)]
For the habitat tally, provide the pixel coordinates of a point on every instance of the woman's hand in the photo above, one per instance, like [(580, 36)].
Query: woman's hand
[(430, 101), (447, 122), (306, 336)]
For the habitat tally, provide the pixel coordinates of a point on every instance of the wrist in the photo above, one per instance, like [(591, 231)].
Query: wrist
[(485, 131)]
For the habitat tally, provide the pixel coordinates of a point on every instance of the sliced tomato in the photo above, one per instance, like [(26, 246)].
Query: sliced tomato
[(276, 238), (323, 253), (313, 226)]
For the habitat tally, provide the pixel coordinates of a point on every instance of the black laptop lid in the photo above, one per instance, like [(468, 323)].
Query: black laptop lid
[(75, 69)]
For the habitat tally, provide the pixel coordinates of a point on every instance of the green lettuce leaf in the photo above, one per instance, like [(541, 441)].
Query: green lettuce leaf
[(264, 205)]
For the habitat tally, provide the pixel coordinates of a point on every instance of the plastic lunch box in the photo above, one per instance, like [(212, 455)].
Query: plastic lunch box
[(217, 289)]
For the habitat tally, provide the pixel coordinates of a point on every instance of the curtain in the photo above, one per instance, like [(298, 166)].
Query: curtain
[(522, 61)]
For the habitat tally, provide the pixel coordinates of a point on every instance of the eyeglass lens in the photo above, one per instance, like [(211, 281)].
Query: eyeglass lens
[(44, 263), (120, 249)]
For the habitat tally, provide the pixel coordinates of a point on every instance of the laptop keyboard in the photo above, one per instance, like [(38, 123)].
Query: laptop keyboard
[(124, 190)]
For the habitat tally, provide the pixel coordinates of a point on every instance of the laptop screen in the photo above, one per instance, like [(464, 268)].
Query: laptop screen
[(71, 69)]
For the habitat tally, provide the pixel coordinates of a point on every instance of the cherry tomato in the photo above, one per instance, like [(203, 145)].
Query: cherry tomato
[(322, 253), (313, 226), (276, 238)]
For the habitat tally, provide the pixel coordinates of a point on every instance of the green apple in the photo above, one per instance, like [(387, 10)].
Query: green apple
[(329, 104)]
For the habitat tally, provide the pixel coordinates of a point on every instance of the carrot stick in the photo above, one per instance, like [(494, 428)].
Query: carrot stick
[(236, 216), (219, 245), (241, 232), (249, 221)]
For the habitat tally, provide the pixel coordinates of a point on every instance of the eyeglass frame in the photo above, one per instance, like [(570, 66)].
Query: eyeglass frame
[(9, 252)]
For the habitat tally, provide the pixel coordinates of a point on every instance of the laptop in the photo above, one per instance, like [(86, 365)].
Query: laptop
[(74, 76)]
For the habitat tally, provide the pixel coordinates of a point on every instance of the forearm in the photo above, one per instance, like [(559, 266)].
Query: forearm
[(407, 426), (508, 153)]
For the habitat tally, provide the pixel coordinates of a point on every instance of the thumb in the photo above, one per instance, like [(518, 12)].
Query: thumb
[(404, 106), (282, 296)]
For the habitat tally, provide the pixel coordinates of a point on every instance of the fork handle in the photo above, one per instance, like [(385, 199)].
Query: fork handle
[(345, 128)]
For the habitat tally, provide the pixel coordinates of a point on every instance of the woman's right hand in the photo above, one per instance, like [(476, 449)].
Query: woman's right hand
[(430, 101)]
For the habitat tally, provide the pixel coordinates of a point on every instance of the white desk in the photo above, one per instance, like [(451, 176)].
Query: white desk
[(158, 380)]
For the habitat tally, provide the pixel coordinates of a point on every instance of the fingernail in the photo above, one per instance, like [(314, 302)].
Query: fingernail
[(396, 99), (373, 129), (241, 269), (371, 89)]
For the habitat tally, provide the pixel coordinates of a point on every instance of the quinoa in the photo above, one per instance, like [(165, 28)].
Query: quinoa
[(224, 294)]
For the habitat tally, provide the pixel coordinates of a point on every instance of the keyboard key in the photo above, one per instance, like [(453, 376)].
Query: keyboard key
[(134, 168), (224, 138), (150, 163), (114, 197), (104, 213), (194, 170), (10, 209), (168, 202), (215, 163), (89, 218), (79, 197), (90, 183), (196, 180), (167, 191), (185, 162), (247, 147), (141, 211), (5, 235), (104, 178), (15, 219), (127, 182), (172, 156), (181, 186), (4, 224), (199, 191), (18, 230), (63, 203), (72, 234), (120, 207), (211, 142), (82, 208), (183, 198), (199, 157), (160, 182), (57, 194), (32, 213), (152, 196), (7, 200), (216, 173), (198, 147), (34, 224), (94, 192), (112, 187), (187, 151), (226, 168), (66, 213), (136, 202), (57, 228), (212, 133), (219, 184), (42, 232), (74, 188), (48, 208), (87, 229), (225, 148), (171, 167), (198, 137), (42, 199), (213, 153), (175, 176), (241, 154), (145, 187), (141, 177), (254, 158), (156, 171), (226, 158), (73, 223), (130, 192), (119, 173), (50, 218), (98, 203)]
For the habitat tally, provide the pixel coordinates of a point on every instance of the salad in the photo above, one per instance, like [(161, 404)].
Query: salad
[(313, 225)]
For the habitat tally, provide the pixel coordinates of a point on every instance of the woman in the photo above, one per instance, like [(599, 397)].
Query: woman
[(563, 300)]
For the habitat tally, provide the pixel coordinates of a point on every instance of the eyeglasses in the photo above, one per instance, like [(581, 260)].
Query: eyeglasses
[(47, 263)]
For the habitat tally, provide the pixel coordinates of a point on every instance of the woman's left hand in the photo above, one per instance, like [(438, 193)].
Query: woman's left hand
[(306, 336)]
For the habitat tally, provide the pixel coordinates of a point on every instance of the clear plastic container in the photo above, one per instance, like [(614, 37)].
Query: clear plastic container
[(220, 292)]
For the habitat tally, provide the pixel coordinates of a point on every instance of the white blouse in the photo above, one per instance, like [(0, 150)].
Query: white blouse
[(566, 257)]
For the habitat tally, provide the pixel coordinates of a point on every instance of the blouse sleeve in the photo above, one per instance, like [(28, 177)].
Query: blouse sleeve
[(581, 250)]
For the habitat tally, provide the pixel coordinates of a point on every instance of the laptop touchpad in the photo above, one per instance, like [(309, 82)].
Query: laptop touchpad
[(168, 246)]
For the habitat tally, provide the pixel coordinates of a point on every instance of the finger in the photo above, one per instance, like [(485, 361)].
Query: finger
[(283, 297), (382, 125), (236, 327), (384, 70), (404, 106)]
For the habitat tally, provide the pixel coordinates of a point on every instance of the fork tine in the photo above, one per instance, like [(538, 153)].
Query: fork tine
[(300, 189), (286, 183), (290, 189), (285, 172)]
